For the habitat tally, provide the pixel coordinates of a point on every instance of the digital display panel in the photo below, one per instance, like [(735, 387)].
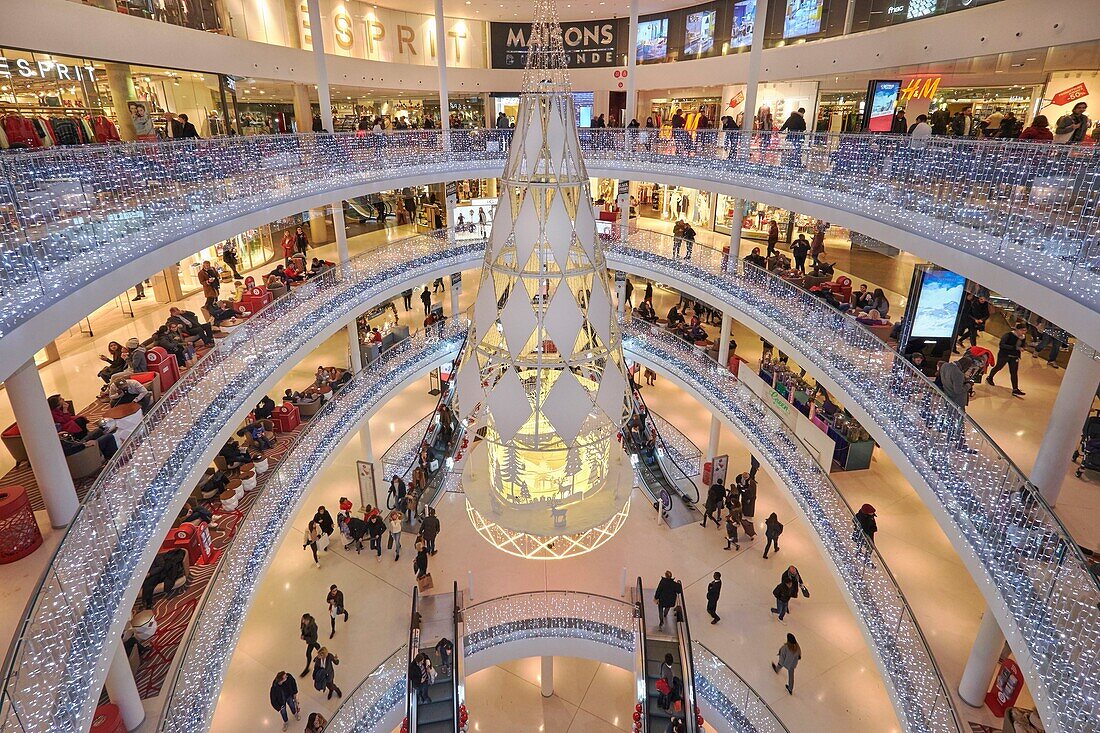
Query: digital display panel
[(803, 18), (653, 39), (744, 17), (937, 310), (884, 99), (699, 33)]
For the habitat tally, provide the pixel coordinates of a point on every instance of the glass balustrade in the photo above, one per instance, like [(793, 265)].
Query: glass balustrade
[(908, 667), (216, 626), (992, 511), (96, 570), (74, 215), (367, 706), (737, 703), (1039, 572)]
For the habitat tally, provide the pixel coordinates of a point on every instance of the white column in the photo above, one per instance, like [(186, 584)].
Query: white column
[(735, 234), (51, 472), (712, 439), (724, 341), (123, 691), (318, 41), (631, 111), (441, 65), (341, 232), (547, 677), (356, 354), (1071, 408), (849, 17), (982, 662), (754, 64), (366, 447)]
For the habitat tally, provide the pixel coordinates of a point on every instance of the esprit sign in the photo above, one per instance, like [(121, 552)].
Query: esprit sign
[(587, 45), (28, 69), (360, 30)]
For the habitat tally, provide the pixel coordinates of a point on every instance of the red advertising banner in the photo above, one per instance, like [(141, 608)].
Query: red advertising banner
[(1006, 688), (1074, 92)]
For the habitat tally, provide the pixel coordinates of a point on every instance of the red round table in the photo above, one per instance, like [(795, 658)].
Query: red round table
[(108, 719), (19, 535)]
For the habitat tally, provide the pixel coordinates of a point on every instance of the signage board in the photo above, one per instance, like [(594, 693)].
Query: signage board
[(588, 45), (368, 491)]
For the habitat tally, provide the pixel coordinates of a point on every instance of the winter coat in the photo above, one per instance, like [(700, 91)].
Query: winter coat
[(667, 591)]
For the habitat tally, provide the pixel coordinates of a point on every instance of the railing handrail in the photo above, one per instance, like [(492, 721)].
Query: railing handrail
[(913, 372), (687, 664), (664, 445), (456, 658), (411, 695), (759, 698), (640, 659)]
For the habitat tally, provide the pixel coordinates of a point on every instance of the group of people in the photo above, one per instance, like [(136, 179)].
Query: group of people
[(1071, 128)]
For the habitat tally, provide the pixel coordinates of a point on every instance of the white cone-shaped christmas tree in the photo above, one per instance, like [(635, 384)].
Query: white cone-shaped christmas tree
[(543, 368)]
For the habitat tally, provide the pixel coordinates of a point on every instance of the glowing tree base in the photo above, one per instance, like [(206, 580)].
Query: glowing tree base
[(539, 530)]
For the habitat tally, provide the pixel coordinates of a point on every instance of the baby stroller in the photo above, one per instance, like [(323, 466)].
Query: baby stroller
[(1089, 452)]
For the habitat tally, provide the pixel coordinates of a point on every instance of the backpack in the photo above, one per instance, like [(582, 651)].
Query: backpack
[(320, 677), (662, 686)]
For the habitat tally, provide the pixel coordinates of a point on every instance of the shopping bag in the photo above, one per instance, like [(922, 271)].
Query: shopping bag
[(322, 543), (424, 583), (389, 543), (804, 589)]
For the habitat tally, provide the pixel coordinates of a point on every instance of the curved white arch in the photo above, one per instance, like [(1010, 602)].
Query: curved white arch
[(1067, 294)]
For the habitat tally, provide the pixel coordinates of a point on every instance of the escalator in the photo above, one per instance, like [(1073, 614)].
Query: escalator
[(436, 620), (674, 646), (662, 477)]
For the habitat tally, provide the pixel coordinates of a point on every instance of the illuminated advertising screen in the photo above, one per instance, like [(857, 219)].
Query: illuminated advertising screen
[(652, 39), (879, 114), (803, 18), (744, 15), (699, 33), (937, 311)]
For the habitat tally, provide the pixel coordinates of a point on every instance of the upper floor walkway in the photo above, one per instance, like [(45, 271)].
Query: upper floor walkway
[(87, 223)]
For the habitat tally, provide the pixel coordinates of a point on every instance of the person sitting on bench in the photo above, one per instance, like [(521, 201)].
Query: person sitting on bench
[(191, 325)]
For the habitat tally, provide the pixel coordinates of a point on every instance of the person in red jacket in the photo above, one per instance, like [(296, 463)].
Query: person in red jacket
[(1039, 130)]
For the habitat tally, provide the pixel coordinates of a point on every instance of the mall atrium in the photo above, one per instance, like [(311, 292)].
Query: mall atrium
[(651, 366)]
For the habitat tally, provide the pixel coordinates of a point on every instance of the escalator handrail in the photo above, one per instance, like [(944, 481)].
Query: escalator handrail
[(687, 666), (640, 656), (457, 654), (664, 445), (414, 649)]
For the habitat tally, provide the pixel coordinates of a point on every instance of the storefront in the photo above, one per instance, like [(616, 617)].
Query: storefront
[(80, 100), (839, 112), (693, 108)]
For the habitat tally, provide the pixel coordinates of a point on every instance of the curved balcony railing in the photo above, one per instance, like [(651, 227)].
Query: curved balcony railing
[(1040, 576), (727, 693), (908, 666), (79, 213), (216, 625), (59, 658), (368, 707), (904, 657)]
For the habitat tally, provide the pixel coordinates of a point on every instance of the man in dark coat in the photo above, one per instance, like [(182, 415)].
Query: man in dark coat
[(716, 496), (714, 590), (429, 530), (284, 695), (668, 589)]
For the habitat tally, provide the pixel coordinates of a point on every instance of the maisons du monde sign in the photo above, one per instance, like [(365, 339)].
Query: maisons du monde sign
[(590, 44)]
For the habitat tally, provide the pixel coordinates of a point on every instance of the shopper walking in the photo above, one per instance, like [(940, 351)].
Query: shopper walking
[(817, 245), (689, 239), (284, 697), (797, 585), (420, 562), (714, 590), (336, 607), (426, 299), (229, 257), (309, 636), (754, 466), (407, 297), (800, 249), (324, 521), (789, 655), (716, 496), (395, 524), (773, 238), (954, 379), (772, 529), (1008, 353), (211, 283), (866, 524), (375, 529), (312, 536), (429, 530), (1071, 128), (783, 593), (668, 588), (746, 487), (734, 517), (324, 673), (975, 313), (316, 723), (301, 242)]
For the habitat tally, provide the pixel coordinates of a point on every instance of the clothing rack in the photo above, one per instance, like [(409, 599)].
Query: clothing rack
[(12, 107)]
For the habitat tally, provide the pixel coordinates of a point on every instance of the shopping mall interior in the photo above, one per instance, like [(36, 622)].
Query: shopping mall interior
[(405, 367)]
